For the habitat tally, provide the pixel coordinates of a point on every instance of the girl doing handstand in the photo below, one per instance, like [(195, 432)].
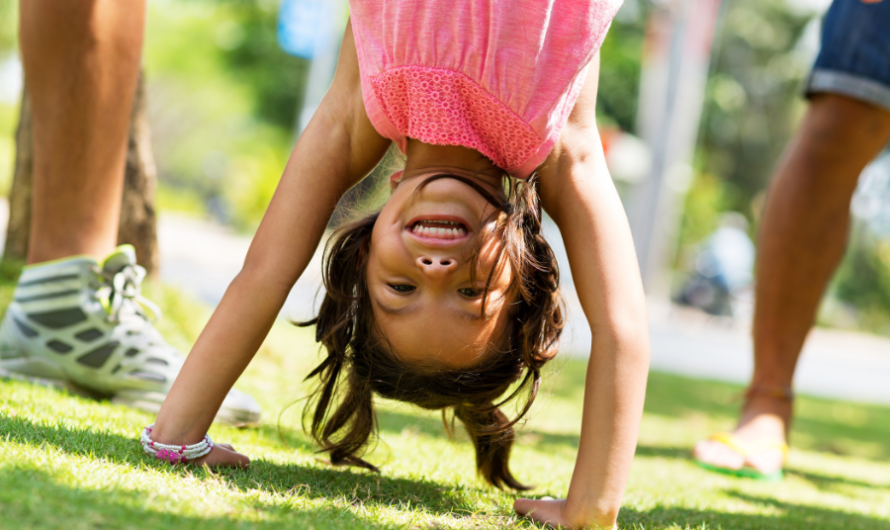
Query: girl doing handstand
[(449, 294)]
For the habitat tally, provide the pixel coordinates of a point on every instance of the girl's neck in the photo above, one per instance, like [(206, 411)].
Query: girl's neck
[(423, 158)]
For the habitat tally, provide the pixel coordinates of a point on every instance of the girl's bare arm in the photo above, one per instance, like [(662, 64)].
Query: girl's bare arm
[(338, 148), (577, 192)]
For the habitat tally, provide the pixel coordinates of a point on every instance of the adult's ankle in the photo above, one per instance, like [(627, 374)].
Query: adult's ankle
[(55, 243), (40, 256), (767, 413), (773, 379)]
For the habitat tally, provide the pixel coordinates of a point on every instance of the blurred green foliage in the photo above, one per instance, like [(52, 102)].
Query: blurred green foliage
[(751, 109), (753, 95), (9, 116), (8, 26), (8, 110), (707, 199), (223, 100), (251, 52), (859, 294), (619, 81)]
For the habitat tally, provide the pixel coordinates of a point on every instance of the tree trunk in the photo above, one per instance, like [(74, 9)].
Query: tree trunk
[(18, 230), (138, 223)]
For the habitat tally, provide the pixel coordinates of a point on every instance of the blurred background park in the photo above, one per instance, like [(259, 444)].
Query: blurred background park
[(695, 110), (696, 104)]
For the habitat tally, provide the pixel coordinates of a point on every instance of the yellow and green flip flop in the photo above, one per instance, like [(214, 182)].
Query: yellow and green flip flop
[(745, 448)]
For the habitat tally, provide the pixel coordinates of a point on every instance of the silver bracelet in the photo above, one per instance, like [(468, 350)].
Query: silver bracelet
[(174, 453)]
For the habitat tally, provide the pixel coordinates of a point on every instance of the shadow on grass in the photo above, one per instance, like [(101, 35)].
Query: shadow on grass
[(393, 422), (790, 517), (657, 451), (288, 438), (828, 482), (32, 498), (681, 397), (313, 482)]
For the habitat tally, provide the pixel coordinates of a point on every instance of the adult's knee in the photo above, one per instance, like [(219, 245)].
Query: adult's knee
[(51, 29), (838, 125)]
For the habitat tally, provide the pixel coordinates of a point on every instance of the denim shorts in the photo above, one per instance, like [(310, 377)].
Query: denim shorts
[(855, 57)]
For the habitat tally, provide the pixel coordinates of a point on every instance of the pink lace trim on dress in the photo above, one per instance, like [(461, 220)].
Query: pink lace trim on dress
[(444, 107)]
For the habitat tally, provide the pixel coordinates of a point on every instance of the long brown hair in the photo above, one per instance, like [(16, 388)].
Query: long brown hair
[(359, 363)]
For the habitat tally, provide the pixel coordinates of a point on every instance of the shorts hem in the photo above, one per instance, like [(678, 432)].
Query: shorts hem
[(847, 84)]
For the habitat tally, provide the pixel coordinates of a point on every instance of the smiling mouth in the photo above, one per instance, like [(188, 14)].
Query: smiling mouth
[(439, 229)]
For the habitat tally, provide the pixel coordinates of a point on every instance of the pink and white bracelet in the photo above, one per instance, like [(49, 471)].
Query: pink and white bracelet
[(174, 453)]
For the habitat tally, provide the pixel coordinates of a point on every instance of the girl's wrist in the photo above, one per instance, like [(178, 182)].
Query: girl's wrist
[(174, 453)]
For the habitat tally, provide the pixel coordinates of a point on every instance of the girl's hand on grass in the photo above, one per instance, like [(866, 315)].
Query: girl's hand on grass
[(552, 512), (547, 511), (223, 455)]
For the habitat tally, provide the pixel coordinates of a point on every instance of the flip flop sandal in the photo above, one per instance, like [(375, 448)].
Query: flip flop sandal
[(744, 449)]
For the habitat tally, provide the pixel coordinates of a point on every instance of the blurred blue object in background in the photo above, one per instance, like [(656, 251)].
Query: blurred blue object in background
[(723, 268), (303, 25)]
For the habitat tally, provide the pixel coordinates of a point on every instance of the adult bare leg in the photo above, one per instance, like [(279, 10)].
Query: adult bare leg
[(802, 240), (81, 61)]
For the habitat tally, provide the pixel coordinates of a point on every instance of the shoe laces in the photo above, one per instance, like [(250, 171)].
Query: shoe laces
[(120, 293)]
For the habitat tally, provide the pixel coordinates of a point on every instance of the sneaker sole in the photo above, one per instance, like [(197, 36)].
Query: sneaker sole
[(55, 384), (151, 402)]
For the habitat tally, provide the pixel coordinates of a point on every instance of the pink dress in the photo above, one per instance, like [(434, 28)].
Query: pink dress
[(499, 76)]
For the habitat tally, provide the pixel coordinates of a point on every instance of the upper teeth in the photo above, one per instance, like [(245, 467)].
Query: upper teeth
[(448, 228)]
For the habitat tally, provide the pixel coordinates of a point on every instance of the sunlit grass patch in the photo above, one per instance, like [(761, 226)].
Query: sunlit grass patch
[(71, 462)]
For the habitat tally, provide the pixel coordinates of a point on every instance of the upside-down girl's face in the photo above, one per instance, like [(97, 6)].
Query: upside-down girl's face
[(426, 302)]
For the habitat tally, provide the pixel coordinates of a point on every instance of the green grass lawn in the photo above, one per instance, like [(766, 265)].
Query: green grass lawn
[(72, 463)]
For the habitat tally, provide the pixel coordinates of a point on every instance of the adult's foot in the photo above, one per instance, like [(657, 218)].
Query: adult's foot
[(84, 325), (760, 436)]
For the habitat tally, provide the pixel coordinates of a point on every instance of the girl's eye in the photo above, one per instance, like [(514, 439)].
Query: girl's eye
[(401, 287), (470, 292)]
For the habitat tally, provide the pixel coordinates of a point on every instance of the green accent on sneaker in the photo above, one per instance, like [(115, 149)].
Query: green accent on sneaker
[(127, 249)]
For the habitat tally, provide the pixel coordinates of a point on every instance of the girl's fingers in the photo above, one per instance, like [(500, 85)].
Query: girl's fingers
[(522, 506), (548, 511), (222, 455), (552, 512)]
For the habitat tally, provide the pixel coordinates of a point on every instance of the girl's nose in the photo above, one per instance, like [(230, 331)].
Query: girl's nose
[(436, 266)]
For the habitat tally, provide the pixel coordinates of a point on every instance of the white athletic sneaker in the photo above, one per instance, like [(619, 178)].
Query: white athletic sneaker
[(74, 321)]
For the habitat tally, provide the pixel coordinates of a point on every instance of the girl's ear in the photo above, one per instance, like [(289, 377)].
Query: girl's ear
[(394, 179)]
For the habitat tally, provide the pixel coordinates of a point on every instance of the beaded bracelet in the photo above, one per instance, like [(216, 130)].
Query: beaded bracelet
[(175, 453)]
